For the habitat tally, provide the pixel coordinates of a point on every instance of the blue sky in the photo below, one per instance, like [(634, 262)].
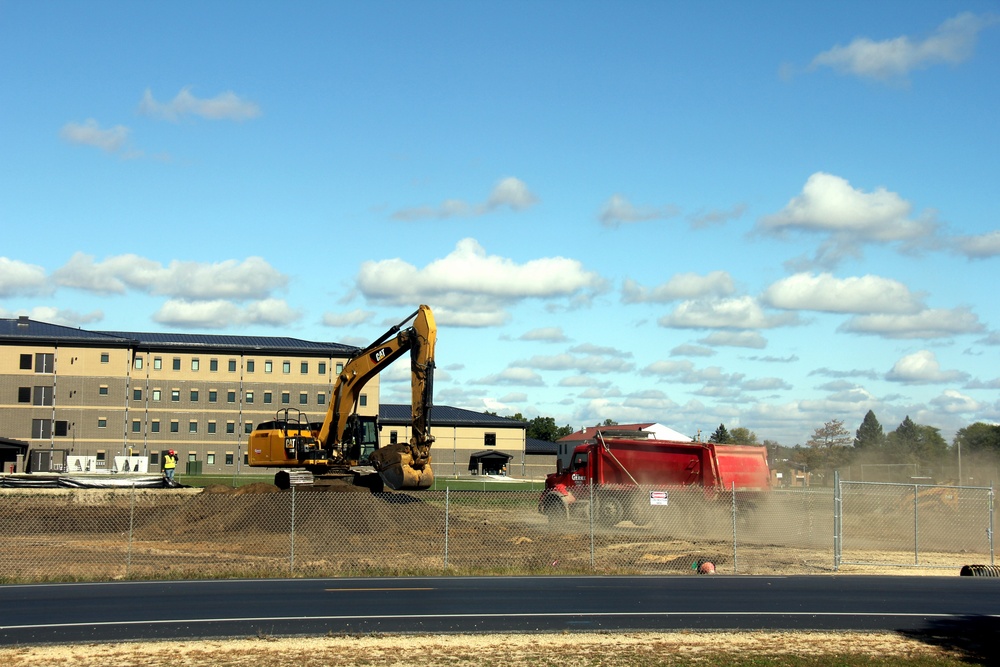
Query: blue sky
[(766, 215)]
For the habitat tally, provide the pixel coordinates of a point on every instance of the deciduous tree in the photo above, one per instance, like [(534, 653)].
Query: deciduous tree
[(831, 434)]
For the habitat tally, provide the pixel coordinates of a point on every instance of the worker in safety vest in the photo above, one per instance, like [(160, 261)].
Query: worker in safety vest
[(169, 465)]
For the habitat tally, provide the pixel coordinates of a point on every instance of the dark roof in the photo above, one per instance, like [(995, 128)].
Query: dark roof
[(536, 446), (22, 329), (489, 454), (588, 432), (444, 415)]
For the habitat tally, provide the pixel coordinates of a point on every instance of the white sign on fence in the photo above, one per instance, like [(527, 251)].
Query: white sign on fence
[(658, 498)]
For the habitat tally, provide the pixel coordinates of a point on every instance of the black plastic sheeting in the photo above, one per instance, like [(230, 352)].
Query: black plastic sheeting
[(86, 482)]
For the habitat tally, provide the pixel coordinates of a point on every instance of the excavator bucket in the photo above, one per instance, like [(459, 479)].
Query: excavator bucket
[(399, 471)]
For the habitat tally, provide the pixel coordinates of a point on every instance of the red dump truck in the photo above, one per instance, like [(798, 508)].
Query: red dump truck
[(631, 477)]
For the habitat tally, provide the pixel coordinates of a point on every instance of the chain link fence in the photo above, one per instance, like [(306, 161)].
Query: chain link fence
[(876, 519), (257, 531)]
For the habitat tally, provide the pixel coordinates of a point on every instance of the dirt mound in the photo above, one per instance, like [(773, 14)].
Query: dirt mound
[(257, 488), (217, 488)]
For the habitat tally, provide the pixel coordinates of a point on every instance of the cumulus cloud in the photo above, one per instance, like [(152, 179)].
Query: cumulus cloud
[(716, 216), (513, 376), (221, 314), (253, 278), (511, 193), (587, 363), (982, 246), (90, 133), (545, 335), (351, 319), (951, 43), (736, 313), (19, 278), (470, 288), (618, 210), (61, 316), (953, 402), (828, 205), (750, 339), (224, 106), (825, 293), (765, 384), (931, 323), (689, 350), (680, 286), (922, 368)]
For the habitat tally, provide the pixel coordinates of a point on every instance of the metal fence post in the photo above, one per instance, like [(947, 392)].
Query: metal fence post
[(989, 528), (838, 525), (291, 561), (447, 517), (131, 530), (591, 525), (916, 528), (736, 566)]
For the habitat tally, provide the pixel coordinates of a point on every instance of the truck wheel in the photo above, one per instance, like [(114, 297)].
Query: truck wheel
[(610, 511), (554, 509)]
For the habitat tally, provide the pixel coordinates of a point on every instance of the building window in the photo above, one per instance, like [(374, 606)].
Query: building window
[(157, 363), (393, 437), (192, 456), (25, 362), (105, 358), (192, 427), (304, 368), (62, 428), (267, 397), (340, 368), (248, 427), (213, 396), (320, 399), (156, 394), (154, 426), (268, 366), (194, 395), (24, 394), (136, 426), (210, 458), (211, 427), (103, 390), (175, 395), (138, 363), (45, 363), (175, 426), (101, 456), (154, 458), (321, 369), (232, 365), (137, 394), (42, 396), (250, 365), (102, 422), (41, 428), (230, 427), (303, 398), (490, 439), (195, 364), (249, 397), (230, 396), (286, 367), (213, 365), (285, 397), (363, 400), (229, 458), (177, 363)]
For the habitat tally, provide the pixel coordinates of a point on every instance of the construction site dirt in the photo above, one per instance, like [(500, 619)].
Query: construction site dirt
[(259, 531)]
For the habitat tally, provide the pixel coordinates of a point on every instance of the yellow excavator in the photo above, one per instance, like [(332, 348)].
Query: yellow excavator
[(345, 446)]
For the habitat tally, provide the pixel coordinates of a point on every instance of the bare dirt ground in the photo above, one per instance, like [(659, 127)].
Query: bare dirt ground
[(524, 650)]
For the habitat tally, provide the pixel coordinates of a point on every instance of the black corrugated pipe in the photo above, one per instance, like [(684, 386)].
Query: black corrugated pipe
[(980, 571)]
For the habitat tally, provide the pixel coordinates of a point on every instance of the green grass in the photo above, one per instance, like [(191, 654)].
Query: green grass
[(440, 483)]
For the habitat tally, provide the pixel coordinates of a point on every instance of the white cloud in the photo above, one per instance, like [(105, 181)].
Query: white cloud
[(513, 376), (716, 216), (351, 319), (90, 133), (221, 314), (953, 42), (750, 339), (848, 217), (19, 278), (253, 278), (618, 210), (765, 384), (982, 246), (922, 368), (61, 316), (736, 313), (825, 293), (584, 364), (680, 286), (545, 335), (953, 402), (931, 323), (510, 192), (470, 288), (688, 350), (668, 368), (224, 106)]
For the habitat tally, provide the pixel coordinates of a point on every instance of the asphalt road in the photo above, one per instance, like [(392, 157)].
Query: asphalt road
[(118, 611)]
